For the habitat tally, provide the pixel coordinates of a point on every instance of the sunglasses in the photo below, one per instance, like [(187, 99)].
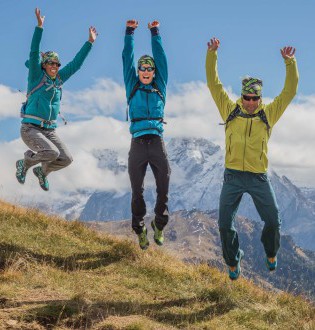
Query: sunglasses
[(52, 63), (253, 98), (143, 68)]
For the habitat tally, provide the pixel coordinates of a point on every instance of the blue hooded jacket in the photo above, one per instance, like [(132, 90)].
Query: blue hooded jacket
[(142, 104), (45, 102)]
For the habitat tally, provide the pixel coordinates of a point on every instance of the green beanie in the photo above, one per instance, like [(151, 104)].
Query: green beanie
[(146, 59), (252, 85)]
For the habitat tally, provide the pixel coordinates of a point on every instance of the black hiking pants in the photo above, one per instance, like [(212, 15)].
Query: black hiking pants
[(143, 151)]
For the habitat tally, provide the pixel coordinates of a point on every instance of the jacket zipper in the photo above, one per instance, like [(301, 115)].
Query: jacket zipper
[(245, 145), (50, 104), (148, 109), (262, 148), (250, 128), (230, 138)]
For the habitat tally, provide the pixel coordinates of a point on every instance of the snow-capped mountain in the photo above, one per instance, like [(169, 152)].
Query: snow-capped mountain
[(197, 171)]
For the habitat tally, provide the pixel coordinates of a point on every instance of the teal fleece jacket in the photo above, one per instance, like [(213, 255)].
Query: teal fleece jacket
[(145, 105), (45, 102)]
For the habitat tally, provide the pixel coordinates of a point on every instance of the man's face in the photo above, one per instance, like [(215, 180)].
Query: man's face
[(146, 73), (51, 68), (251, 102)]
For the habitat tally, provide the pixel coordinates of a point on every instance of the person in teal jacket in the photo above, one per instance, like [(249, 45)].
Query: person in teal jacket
[(41, 110), (146, 94)]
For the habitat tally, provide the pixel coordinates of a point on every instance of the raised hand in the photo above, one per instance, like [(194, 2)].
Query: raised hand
[(92, 34), (132, 23), (287, 52), (154, 24), (40, 19), (213, 44)]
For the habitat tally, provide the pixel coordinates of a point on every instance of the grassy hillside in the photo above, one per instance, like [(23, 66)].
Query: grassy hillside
[(61, 275)]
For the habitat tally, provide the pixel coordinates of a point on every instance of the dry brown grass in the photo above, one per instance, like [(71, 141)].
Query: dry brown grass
[(62, 275)]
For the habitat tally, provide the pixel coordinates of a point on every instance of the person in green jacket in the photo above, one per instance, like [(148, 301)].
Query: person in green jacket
[(248, 126), (40, 112)]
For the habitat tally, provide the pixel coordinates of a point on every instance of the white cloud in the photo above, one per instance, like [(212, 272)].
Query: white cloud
[(105, 97), (10, 102), (190, 111)]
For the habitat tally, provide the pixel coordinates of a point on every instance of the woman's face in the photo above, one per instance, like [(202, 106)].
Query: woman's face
[(51, 68), (146, 73)]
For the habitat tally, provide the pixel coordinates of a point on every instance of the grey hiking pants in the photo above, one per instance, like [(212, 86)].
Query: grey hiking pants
[(45, 147), (143, 152)]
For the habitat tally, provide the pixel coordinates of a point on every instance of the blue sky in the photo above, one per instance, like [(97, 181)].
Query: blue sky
[(251, 35)]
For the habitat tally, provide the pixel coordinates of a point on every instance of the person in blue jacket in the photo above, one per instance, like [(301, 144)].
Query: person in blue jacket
[(146, 94), (40, 112)]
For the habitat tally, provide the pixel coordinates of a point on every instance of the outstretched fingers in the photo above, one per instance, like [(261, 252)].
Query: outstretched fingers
[(287, 52), (40, 19), (92, 34)]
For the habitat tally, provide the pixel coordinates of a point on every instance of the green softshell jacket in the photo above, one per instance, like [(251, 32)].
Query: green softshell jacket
[(246, 139)]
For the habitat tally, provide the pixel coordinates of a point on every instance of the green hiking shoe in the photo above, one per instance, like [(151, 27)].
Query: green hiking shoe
[(42, 178), (271, 265), (143, 239), (158, 234), (20, 171)]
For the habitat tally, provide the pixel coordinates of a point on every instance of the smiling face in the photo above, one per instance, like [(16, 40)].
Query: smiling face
[(51, 68), (146, 73)]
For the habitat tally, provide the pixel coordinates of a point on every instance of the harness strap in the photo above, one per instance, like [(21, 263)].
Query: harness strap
[(136, 87), (161, 119), (237, 112), (42, 83), (42, 121)]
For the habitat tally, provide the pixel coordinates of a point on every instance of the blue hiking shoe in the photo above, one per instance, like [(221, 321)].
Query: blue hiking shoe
[(43, 182), (143, 239), (158, 234), (271, 265), (234, 275), (20, 171)]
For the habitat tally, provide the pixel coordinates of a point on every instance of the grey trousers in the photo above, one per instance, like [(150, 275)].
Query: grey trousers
[(45, 147)]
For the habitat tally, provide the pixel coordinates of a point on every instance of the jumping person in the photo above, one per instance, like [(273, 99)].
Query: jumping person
[(248, 125), (45, 81), (146, 93)]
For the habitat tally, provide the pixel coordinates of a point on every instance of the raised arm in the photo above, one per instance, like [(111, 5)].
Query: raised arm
[(73, 66), (221, 98), (34, 63), (161, 74), (128, 57), (275, 109)]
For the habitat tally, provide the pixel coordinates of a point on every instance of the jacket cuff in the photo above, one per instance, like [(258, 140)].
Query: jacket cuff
[(130, 30), (154, 31), (289, 61)]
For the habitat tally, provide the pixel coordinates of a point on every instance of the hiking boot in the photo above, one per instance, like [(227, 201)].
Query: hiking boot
[(234, 275), (158, 234), (143, 239), (20, 171), (43, 182), (271, 265)]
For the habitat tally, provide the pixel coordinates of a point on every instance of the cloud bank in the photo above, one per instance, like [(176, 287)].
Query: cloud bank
[(190, 112)]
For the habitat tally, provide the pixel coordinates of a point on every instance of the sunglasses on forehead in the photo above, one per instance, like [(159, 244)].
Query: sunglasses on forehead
[(52, 63), (253, 98), (143, 68)]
